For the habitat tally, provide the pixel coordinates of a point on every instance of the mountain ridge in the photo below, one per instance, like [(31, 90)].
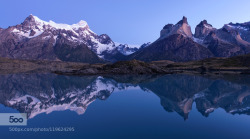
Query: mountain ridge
[(16, 41), (36, 39), (206, 42)]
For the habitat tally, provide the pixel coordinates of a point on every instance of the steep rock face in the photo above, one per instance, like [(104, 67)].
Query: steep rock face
[(232, 36), (224, 42), (242, 28), (175, 48), (105, 39), (222, 48), (166, 30), (181, 27), (203, 29), (145, 45), (175, 43), (79, 53)]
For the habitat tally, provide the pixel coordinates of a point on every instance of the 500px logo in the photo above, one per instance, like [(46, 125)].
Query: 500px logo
[(13, 119)]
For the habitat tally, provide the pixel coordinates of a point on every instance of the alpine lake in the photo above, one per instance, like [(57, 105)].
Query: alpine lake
[(127, 106)]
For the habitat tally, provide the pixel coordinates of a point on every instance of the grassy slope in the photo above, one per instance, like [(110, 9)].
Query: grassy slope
[(19, 66), (238, 63)]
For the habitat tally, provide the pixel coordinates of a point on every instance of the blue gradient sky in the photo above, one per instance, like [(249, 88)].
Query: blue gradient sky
[(126, 21)]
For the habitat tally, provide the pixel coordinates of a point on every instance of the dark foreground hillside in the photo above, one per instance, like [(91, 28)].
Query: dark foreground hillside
[(233, 65)]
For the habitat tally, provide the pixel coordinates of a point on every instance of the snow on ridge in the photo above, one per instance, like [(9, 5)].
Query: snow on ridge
[(27, 34), (128, 45), (239, 110), (101, 47), (82, 35), (24, 99), (237, 27), (80, 24), (42, 25), (129, 48), (208, 26), (128, 53)]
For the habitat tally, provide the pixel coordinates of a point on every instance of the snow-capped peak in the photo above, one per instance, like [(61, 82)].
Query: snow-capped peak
[(81, 24), (75, 34), (34, 26)]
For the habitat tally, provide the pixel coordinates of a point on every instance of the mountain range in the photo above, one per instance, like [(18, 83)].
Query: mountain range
[(41, 40), (177, 43), (38, 39)]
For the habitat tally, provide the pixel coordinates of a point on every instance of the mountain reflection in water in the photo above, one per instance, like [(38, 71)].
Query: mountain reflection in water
[(44, 93)]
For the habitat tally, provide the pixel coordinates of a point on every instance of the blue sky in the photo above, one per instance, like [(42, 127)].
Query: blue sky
[(126, 21)]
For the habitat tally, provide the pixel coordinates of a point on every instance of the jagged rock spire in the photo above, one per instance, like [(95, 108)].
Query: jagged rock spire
[(203, 29), (181, 27), (184, 20)]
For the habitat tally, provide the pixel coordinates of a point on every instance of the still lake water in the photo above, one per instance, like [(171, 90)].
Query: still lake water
[(148, 106)]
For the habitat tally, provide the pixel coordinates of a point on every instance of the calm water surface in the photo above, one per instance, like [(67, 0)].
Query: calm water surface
[(164, 106)]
